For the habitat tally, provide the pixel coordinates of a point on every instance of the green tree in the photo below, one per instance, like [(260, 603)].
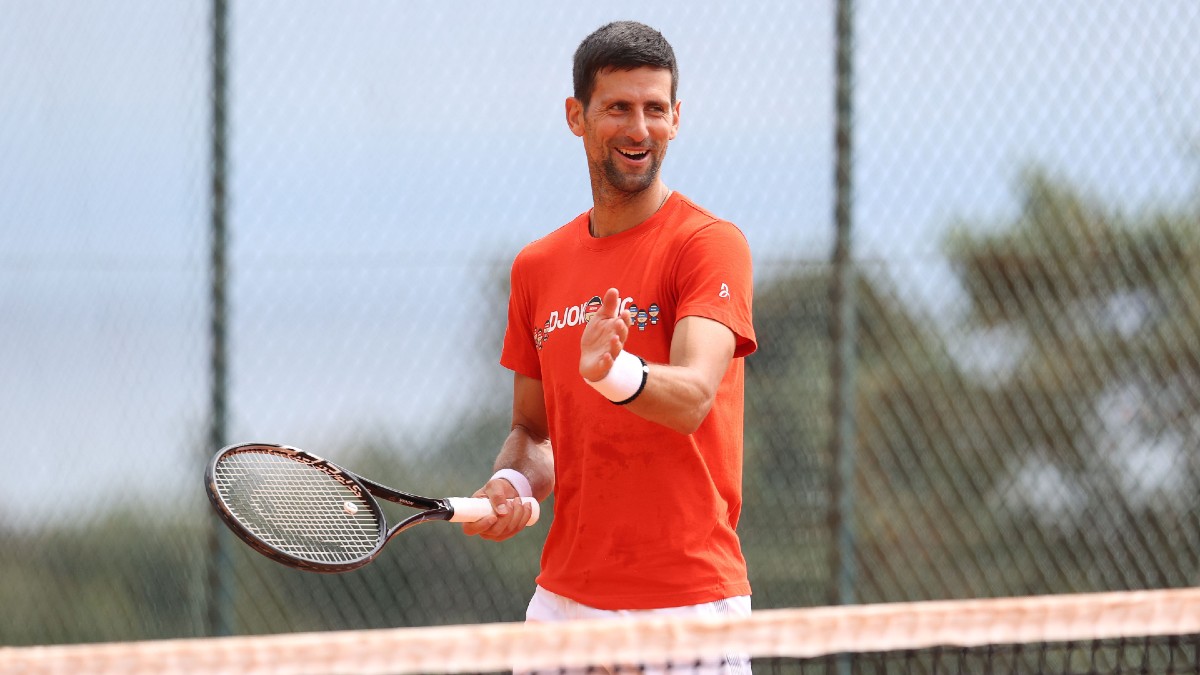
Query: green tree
[(1045, 442), (1041, 440)]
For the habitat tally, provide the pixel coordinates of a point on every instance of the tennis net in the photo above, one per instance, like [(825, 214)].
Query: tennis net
[(1124, 632)]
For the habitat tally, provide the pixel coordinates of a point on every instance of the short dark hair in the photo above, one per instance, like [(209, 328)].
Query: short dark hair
[(621, 45)]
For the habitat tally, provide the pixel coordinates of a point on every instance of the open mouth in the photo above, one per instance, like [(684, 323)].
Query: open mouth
[(635, 155)]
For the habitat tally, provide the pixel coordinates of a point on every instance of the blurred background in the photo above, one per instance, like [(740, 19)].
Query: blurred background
[(292, 222)]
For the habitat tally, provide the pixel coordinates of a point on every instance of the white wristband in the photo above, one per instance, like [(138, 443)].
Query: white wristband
[(518, 480), (625, 380)]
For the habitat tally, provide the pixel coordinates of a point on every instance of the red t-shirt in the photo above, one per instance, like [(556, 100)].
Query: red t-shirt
[(644, 517)]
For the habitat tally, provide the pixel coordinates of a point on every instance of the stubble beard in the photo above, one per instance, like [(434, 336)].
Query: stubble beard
[(624, 186)]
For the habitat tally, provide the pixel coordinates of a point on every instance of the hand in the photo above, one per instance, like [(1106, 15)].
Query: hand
[(509, 513), (603, 337)]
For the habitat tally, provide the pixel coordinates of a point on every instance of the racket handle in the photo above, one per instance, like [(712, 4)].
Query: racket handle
[(471, 509)]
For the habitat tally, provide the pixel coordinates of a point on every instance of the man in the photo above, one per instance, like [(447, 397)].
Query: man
[(626, 329)]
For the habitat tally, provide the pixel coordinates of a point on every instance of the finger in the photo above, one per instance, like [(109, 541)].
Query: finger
[(525, 516), (506, 526), (610, 304), (615, 344), (479, 527), (499, 491), (514, 523)]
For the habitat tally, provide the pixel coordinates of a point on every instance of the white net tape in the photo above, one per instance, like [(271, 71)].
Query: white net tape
[(797, 633)]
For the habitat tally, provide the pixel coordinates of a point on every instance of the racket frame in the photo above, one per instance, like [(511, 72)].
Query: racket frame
[(431, 509)]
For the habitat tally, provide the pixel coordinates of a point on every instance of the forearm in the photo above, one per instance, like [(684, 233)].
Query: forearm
[(680, 394), (530, 454), (676, 397)]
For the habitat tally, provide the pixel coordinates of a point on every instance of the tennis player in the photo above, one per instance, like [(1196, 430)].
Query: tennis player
[(626, 333)]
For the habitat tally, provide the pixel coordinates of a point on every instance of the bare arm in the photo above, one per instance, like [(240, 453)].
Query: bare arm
[(677, 395), (527, 450)]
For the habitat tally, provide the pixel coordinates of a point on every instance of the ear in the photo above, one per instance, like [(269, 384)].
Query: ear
[(675, 119), (575, 115)]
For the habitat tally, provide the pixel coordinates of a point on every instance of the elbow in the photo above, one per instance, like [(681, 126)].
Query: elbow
[(690, 419)]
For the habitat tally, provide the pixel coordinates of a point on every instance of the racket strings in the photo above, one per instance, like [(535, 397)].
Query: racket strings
[(296, 508)]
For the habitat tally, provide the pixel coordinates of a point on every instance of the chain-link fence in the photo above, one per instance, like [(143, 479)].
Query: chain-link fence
[(1020, 330)]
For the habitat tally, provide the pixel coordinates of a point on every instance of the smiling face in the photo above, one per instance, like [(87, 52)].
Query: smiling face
[(625, 128)]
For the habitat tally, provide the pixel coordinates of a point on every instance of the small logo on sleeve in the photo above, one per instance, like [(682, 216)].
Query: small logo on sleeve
[(724, 291)]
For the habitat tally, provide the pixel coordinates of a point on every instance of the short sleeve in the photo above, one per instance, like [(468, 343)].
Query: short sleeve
[(519, 352), (715, 279)]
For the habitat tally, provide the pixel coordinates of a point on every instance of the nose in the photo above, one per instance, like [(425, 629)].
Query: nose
[(637, 129)]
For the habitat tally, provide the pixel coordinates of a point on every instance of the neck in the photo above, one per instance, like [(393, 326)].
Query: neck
[(613, 214)]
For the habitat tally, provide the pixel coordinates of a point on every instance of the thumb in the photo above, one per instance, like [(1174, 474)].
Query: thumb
[(497, 494)]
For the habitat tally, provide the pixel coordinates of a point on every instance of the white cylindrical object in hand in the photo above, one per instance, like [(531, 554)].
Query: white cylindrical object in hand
[(471, 509)]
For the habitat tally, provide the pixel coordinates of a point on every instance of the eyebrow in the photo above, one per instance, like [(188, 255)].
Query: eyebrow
[(655, 101)]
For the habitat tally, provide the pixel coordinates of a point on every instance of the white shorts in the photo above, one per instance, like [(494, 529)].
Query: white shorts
[(547, 607)]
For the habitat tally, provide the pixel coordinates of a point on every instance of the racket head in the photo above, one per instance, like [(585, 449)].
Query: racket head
[(295, 508)]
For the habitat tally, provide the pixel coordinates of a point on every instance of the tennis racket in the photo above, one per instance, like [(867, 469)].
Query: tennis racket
[(306, 512)]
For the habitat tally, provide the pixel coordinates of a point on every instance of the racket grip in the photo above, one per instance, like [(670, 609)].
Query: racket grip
[(471, 509)]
